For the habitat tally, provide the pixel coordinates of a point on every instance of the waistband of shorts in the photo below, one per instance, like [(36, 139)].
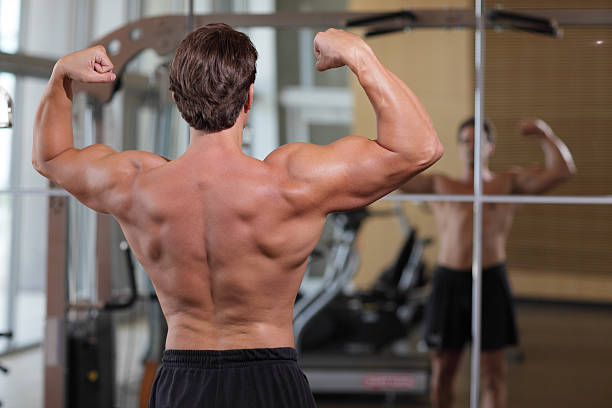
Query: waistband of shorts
[(441, 269), (226, 358)]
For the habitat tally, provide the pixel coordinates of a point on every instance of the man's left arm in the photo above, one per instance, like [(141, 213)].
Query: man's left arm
[(97, 175), (559, 163)]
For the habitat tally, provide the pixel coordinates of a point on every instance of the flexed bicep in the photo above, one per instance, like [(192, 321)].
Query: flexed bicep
[(355, 171), (347, 174), (536, 180), (559, 164)]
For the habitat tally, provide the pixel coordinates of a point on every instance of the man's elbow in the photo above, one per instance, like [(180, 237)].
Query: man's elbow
[(41, 166), (438, 152), (568, 172), (571, 169), (38, 166), (37, 161), (432, 152)]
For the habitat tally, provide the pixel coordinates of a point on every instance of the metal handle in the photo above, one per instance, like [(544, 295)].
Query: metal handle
[(394, 17), (393, 22), (9, 109), (525, 22)]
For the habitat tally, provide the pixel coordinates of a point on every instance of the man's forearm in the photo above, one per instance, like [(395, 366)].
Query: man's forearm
[(53, 121), (557, 156), (403, 124)]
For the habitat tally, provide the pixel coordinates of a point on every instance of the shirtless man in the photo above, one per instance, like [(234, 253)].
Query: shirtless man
[(448, 313), (224, 237)]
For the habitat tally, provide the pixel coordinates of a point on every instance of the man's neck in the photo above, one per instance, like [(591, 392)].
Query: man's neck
[(468, 173), (228, 139)]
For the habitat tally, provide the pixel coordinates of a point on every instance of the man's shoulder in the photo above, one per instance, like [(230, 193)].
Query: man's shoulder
[(136, 166), (441, 177), (295, 161), (282, 154), (511, 174), (443, 181), (144, 160)]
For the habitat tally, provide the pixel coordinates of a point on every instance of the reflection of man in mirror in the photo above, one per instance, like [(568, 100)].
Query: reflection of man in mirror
[(448, 314)]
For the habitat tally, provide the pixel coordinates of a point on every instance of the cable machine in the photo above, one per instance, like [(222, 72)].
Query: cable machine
[(78, 335)]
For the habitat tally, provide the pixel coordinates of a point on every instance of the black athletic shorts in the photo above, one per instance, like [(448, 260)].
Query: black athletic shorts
[(246, 378), (448, 315)]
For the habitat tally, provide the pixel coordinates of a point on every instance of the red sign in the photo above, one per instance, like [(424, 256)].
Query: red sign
[(389, 381)]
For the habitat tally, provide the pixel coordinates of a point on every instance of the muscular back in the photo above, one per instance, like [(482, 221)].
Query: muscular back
[(225, 248), (224, 237)]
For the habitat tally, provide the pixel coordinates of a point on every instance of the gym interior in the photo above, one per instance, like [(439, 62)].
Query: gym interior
[(80, 323)]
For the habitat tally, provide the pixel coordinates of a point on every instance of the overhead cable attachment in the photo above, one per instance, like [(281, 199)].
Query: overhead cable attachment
[(525, 22), (384, 23)]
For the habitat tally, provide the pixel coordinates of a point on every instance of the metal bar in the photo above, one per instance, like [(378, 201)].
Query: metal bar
[(388, 30), (26, 65), (548, 199), (525, 22), (514, 17), (465, 198), (190, 16), (570, 17), (50, 192), (394, 17), (424, 18), (479, 54), (16, 220), (55, 323), (40, 67), (604, 199), (104, 284)]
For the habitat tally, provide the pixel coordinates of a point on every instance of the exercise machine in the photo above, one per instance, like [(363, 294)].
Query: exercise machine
[(362, 342), (70, 326)]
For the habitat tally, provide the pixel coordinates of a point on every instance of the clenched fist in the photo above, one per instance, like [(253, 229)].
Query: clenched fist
[(535, 128), (88, 65), (334, 48)]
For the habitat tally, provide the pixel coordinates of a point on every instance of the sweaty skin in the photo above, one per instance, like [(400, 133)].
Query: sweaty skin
[(224, 237), (454, 219)]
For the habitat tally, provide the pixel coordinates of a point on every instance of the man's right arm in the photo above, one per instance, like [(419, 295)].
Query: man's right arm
[(420, 184), (355, 171), (559, 163), (96, 175)]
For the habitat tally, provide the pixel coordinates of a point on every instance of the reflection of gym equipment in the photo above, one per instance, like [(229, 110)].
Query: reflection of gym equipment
[(369, 341), (8, 102), (387, 23), (525, 22)]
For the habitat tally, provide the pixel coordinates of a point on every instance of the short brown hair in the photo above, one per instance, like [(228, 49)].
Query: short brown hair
[(210, 75), (488, 126)]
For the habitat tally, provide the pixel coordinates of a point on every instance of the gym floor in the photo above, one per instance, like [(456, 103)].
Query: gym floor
[(562, 361)]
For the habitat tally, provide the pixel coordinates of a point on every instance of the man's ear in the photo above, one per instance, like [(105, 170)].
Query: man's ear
[(491, 148), (249, 101)]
